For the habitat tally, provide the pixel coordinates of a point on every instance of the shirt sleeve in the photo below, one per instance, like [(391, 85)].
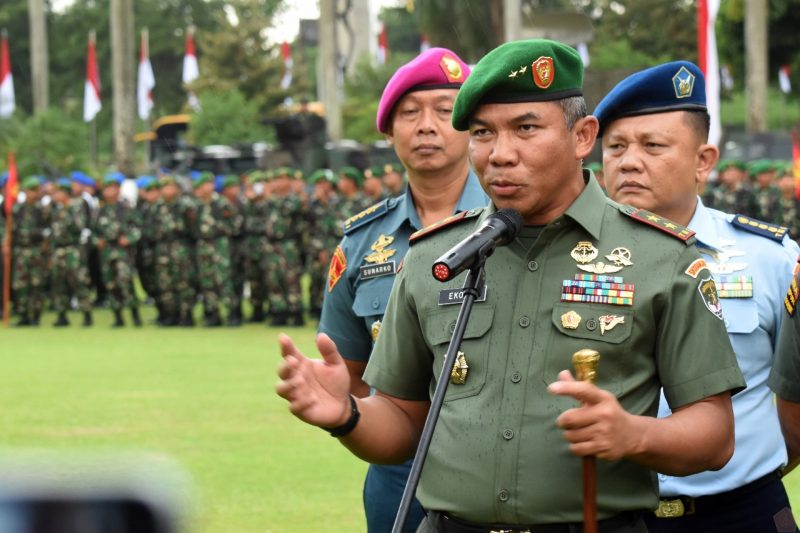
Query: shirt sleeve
[(338, 319), (784, 378), (694, 353)]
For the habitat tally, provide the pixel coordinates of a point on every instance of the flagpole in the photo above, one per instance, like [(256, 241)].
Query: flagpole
[(7, 273)]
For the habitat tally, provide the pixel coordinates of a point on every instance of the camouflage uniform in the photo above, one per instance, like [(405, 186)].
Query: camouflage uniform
[(353, 205), (28, 260), (68, 262), (787, 213), (213, 228), (741, 200), (325, 232), (285, 226), (171, 230), (238, 251), (146, 249), (257, 249), (114, 222), (767, 199)]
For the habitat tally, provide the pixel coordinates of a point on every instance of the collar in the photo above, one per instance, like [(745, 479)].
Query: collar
[(587, 209), (705, 229)]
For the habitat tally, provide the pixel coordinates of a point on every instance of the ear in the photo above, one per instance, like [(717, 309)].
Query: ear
[(389, 135), (585, 132), (707, 157)]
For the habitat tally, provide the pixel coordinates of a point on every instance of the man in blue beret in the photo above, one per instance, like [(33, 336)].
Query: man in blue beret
[(656, 156), (507, 451)]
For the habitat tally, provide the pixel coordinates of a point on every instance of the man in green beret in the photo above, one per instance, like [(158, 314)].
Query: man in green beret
[(232, 192), (766, 193), (353, 200), (325, 231), (393, 179), (731, 192), (373, 184), (583, 272), (145, 259), (257, 247), (787, 210), (27, 252)]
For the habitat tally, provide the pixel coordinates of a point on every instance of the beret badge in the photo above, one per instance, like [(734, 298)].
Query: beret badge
[(683, 82), (452, 69), (543, 72)]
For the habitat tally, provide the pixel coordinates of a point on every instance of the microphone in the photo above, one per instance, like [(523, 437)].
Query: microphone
[(499, 229)]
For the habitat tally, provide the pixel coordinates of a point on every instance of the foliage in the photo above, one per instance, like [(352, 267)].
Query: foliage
[(226, 117), (50, 143), (469, 27), (401, 30), (613, 54)]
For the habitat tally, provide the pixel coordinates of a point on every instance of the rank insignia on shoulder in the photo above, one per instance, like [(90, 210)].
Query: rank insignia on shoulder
[(664, 224), (759, 227), (790, 302), (367, 215), (449, 221)]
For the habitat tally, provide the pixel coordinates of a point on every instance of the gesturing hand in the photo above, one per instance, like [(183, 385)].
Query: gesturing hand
[(317, 390)]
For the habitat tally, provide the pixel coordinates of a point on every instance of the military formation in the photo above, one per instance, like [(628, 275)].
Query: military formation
[(196, 239)]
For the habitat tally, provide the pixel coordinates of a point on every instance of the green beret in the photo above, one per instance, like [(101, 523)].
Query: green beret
[(759, 166), (257, 176), (282, 171), (31, 182), (322, 174), (203, 177), (166, 179), (353, 173), (536, 70), (388, 168), (230, 181), (296, 174), (376, 171), (725, 164)]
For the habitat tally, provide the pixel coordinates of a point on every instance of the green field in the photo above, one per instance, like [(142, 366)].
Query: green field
[(203, 397)]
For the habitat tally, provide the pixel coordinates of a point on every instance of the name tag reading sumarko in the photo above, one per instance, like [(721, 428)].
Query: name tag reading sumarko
[(456, 296), (378, 270)]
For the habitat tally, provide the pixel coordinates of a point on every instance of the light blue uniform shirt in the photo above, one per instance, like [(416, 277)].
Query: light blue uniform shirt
[(355, 304), (753, 324)]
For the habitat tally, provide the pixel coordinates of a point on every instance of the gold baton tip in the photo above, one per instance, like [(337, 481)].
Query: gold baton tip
[(585, 362)]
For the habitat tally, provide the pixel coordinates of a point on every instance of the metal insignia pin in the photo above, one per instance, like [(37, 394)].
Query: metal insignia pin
[(374, 330), (609, 322), (570, 320), (600, 268), (584, 252), (458, 376), (620, 256)]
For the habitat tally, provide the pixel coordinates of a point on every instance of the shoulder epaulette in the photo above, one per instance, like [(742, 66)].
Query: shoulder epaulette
[(759, 227), (367, 215), (664, 224), (444, 223)]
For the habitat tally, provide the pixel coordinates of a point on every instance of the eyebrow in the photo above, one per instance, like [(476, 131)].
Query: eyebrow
[(530, 115)]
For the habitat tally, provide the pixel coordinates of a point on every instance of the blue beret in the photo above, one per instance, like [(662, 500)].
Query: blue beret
[(63, 183), (113, 177), (143, 181), (82, 178), (218, 182), (674, 86), (3, 178)]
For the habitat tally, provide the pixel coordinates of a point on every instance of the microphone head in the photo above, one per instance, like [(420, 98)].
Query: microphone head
[(512, 221)]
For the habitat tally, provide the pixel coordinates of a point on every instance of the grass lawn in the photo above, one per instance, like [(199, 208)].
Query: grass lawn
[(202, 397)]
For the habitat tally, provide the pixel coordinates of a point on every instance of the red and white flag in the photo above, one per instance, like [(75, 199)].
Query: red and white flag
[(12, 184), (783, 79), (145, 80), (796, 161), (383, 46), (91, 90), (424, 44), (7, 101), (190, 69), (709, 63), (288, 63)]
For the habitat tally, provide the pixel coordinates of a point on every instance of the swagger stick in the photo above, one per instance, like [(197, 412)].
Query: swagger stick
[(585, 362)]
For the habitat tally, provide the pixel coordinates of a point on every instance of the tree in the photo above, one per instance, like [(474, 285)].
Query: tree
[(226, 117), (469, 27)]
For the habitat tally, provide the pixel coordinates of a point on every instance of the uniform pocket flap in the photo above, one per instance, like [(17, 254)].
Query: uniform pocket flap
[(611, 324), (372, 296), (441, 324)]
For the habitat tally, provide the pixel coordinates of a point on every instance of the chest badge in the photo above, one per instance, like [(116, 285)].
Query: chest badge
[(584, 252), (609, 322), (620, 256), (374, 330), (458, 376), (570, 320), (378, 263)]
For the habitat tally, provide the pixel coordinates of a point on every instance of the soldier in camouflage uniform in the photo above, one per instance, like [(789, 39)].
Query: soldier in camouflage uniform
[(115, 237), (256, 244), (285, 227), (174, 218), (394, 179), (766, 193), (29, 264), (373, 184), (787, 212), (352, 199), (145, 249), (731, 193), (325, 232), (232, 191), (68, 263), (212, 230)]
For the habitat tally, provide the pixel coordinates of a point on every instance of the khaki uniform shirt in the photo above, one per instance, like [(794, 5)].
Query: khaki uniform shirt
[(497, 455)]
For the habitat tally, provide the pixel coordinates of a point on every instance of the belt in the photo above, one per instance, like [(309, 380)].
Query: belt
[(449, 524), (677, 506)]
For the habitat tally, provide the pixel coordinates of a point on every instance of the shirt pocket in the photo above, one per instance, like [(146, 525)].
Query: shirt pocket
[(740, 314), (606, 329), (438, 329), (371, 297)]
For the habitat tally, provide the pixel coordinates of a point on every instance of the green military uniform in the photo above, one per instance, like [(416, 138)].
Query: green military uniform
[(238, 254), (146, 246), (115, 236), (784, 378), (324, 232), (69, 269), (256, 245), (356, 202), (172, 227), (28, 259), (497, 440)]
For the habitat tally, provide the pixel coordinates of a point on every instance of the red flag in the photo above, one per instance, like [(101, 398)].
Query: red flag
[(91, 89), (146, 80), (7, 103), (12, 184), (708, 62), (288, 63), (190, 69), (383, 46), (796, 161)]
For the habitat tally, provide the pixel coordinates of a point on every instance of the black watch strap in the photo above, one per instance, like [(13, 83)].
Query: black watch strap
[(350, 425)]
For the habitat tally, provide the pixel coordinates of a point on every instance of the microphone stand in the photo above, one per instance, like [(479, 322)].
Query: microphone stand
[(475, 279)]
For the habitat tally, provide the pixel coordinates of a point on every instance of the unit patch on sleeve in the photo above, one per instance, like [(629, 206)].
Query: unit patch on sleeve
[(694, 269), (337, 268), (708, 293)]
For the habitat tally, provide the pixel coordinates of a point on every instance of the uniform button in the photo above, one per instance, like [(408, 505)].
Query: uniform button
[(524, 322), (516, 377), (533, 266), (508, 434), (503, 495), (591, 324), (376, 303)]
